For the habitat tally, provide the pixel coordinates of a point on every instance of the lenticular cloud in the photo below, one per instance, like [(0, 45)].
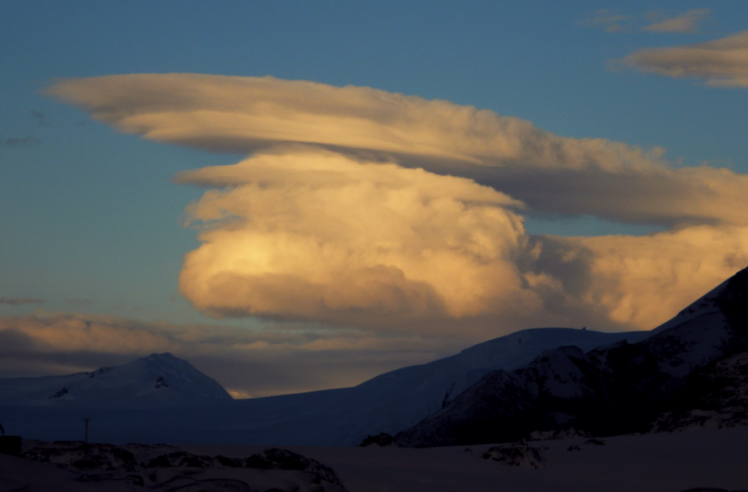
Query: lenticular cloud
[(721, 62), (360, 207)]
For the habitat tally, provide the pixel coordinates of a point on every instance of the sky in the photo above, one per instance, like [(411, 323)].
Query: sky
[(302, 195)]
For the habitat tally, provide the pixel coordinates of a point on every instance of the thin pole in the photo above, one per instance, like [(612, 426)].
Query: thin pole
[(86, 421)]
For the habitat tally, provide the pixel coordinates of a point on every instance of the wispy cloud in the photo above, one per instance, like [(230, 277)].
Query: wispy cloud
[(19, 141), (358, 207), (19, 301), (79, 302), (40, 118), (686, 22), (607, 20), (722, 62), (615, 21)]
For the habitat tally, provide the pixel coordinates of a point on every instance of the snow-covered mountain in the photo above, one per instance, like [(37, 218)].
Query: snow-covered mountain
[(396, 400), (156, 380), (534, 379), (387, 403), (609, 390)]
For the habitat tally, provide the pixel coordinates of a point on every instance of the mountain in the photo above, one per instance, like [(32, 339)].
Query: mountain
[(390, 402), (621, 388), (156, 380), (543, 378), (537, 379), (716, 396), (396, 400)]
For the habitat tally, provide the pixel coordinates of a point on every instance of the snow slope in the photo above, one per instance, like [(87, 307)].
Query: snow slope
[(398, 399), (668, 462), (611, 390)]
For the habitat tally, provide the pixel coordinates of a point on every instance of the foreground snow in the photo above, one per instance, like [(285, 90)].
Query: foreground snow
[(664, 462), (667, 462)]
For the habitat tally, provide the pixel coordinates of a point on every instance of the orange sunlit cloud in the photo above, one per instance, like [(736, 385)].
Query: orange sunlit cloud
[(359, 207)]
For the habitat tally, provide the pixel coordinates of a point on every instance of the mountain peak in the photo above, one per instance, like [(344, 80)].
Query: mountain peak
[(154, 380), (164, 358)]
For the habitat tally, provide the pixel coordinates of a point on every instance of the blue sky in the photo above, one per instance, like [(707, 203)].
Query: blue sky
[(93, 223)]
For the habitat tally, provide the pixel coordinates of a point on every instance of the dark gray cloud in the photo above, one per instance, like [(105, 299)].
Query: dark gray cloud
[(19, 142), (40, 118)]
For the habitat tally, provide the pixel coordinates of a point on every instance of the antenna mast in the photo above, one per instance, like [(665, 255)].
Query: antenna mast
[(86, 421)]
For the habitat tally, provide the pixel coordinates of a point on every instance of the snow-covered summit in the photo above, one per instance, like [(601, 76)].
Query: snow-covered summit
[(704, 309), (155, 380), (400, 398)]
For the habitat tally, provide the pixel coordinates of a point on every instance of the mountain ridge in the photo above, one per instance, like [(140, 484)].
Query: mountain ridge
[(566, 369), (607, 391), (157, 379)]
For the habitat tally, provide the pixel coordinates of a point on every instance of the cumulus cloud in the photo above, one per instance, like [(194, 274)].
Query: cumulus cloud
[(358, 207), (319, 235), (643, 281), (721, 62), (686, 23), (249, 363)]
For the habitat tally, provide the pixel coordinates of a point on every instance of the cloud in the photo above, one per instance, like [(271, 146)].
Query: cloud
[(358, 207), (687, 22), (607, 20), (643, 281), (284, 359), (19, 141), (40, 118), (722, 62), (310, 234), (318, 235), (546, 171), (79, 302), (19, 301), (613, 21)]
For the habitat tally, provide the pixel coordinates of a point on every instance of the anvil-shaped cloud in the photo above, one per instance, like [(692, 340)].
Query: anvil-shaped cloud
[(372, 209)]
